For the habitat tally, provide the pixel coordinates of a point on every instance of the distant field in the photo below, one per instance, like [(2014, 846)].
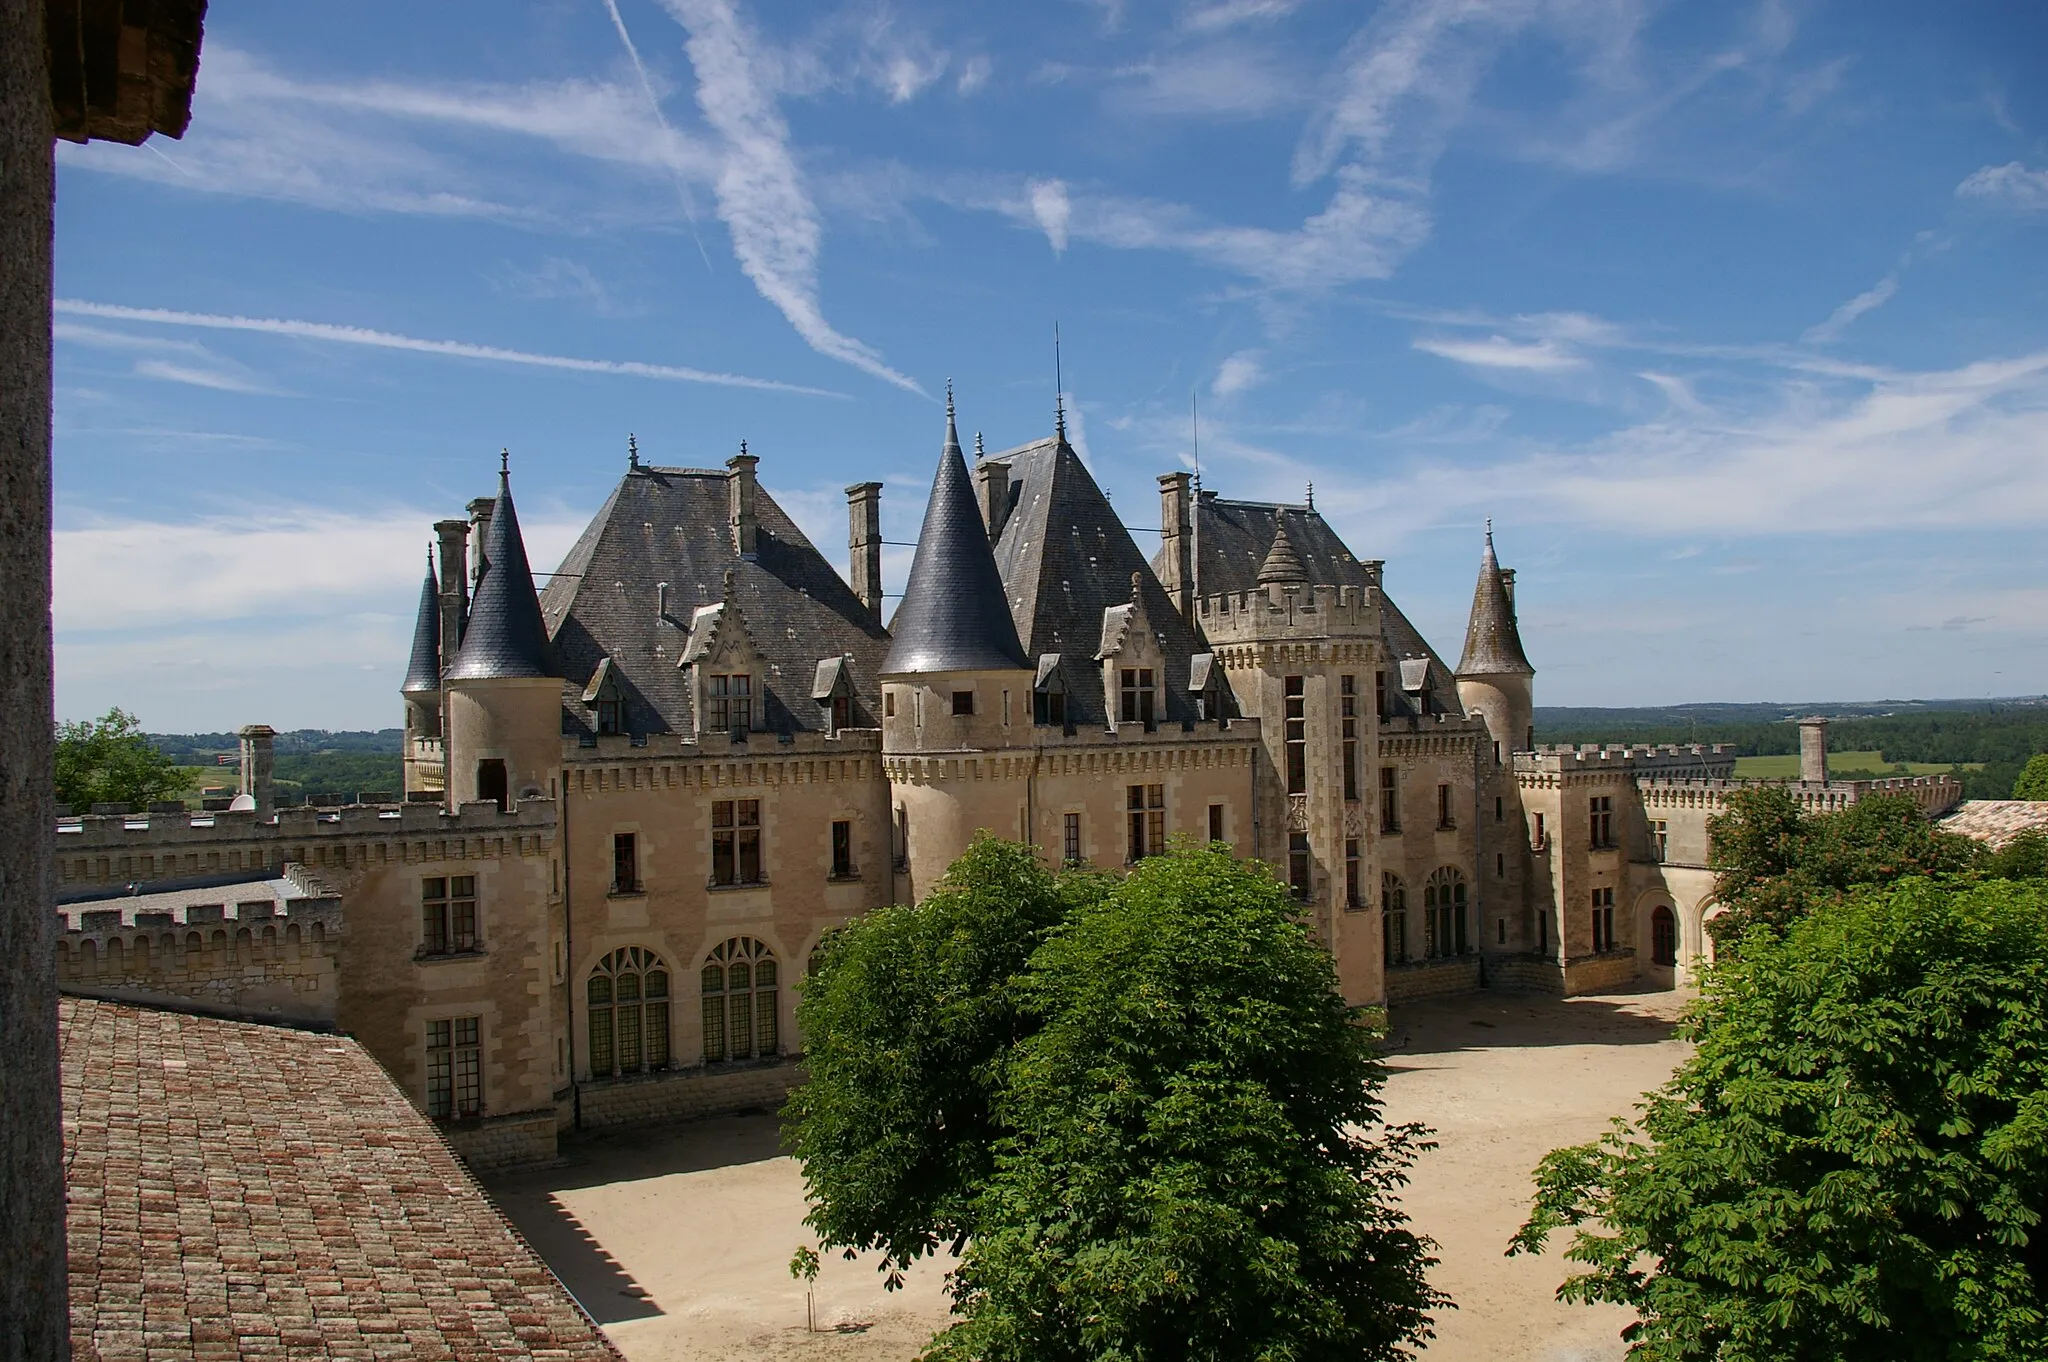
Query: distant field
[(1786, 767)]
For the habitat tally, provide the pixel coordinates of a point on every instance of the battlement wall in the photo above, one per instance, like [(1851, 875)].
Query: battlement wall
[(721, 746), (1272, 611), (1933, 794), (1641, 756)]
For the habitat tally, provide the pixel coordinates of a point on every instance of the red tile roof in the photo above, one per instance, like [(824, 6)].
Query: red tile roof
[(240, 1191), (1997, 821)]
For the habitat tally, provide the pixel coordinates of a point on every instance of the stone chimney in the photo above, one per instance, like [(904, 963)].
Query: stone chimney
[(1176, 543), (864, 542), (739, 486), (1813, 749), (259, 760), (454, 536), (992, 490), (480, 509)]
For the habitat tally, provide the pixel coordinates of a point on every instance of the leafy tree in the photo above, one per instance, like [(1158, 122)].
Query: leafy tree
[(1773, 862), (1854, 1162), (110, 760), (2033, 781), (2025, 857), (1147, 1134)]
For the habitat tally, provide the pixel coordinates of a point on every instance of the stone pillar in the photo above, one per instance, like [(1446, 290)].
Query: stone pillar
[(259, 762), (34, 1313), (454, 537), (739, 484), (1176, 543), (479, 509), (1813, 749), (864, 542), (992, 490)]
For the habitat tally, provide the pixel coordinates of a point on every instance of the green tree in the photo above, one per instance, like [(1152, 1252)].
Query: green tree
[(1773, 862), (110, 760), (2033, 781), (1854, 1162), (2025, 857)]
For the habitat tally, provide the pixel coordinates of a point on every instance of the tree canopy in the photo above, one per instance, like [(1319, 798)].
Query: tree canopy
[(1138, 1108), (110, 760), (1854, 1162), (2033, 779)]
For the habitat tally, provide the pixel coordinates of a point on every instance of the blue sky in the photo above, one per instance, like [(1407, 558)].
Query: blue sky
[(1734, 317)]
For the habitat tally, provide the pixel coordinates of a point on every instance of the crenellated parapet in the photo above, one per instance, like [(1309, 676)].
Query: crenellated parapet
[(1934, 795), (1285, 611), (1112, 756)]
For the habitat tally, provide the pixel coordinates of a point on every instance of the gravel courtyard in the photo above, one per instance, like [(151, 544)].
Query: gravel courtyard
[(679, 1242)]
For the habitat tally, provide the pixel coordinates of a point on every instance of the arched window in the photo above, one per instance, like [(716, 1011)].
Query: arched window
[(628, 993), (739, 1001), (1663, 936), (1393, 917), (1443, 913)]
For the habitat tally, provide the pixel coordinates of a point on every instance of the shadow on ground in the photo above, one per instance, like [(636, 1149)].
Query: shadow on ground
[(1491, 1021), (603, 1288)]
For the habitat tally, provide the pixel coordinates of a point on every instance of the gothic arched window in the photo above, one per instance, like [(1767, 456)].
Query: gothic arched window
[(1443, 912), (1393, 917), (629, 1019), (740, 1017)]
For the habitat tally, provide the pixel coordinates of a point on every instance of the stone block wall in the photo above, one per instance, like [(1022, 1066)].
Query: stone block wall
[(1420, 979), (1525, 974), (496, 1143), (688, 1094), (1603, 973), (259, 960)]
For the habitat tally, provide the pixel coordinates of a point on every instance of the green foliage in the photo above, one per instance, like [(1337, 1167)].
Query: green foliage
[(1773, 862), (1139, 1107), (1854, 1162), (2025, 857), (2033, 779), (110, 760), (803, 1264)]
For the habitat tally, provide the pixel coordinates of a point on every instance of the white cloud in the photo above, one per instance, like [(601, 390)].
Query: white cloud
[(1051, 211), (1222, 79), (386, 340), (2011, 185), (1676, 391), (1498, 352), (1217, 15), (1239, 373), (1872, 298), (761, 195), (974, 74), (217, 379)]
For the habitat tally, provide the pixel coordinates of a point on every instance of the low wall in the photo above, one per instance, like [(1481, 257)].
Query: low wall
[(688, 1094), (1525, 974), (1603, 973), (518, 1140), (1418, 979)]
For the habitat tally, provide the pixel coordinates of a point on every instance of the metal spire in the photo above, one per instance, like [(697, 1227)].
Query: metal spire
[(1311, 496), (1059, 383), (504, 461), (632, 451)]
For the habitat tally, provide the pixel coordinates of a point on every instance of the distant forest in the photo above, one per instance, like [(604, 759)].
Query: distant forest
[(2000, 734), (310, 761)]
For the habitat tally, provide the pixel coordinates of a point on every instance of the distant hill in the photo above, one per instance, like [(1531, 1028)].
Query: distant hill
[(298, 742), (310, 761)]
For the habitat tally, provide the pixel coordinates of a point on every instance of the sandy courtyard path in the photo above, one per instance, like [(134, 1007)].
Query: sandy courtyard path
[(678, 1241)]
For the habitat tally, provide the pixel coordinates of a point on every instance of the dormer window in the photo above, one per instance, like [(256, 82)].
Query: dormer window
[(842, 712), (608, 720), (1049, 707), (1136, 697), (729, 704)]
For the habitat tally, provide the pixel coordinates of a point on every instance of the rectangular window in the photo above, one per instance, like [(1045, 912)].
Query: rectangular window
[(1216, 823), (736, 841), (625, 863), (1298, 865), (1500, 864), (842, 850), (1049, 707), (1390, 799), (454, 1069), (1145, 807), (1136, 696), (1443, 808), (1352, 897), (1297, 736), (1500, 809), (1536, 837), (963, 702), (1660, 832), (1603, 920), (842, 712), (1070, 839), (888, 704), (1348, 708), (729, 704), (1379, 694), (1603, 820), (448, 913), (607, 716), (1006, 709)]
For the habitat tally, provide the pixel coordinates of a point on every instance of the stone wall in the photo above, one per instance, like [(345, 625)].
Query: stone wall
[(1420, 979), (522, 1139), (1607, 972), (688, 1094), (1524, 974)]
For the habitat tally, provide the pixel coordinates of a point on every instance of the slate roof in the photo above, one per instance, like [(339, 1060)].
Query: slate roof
[(1493, 644), (1065, 559), (952, 618), (672, 525), (245, 1191), (1233, 540), (504, 637), (423, 672)]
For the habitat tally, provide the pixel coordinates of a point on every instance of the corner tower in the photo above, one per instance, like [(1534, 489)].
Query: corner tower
[(504, 703), (1495, 680)]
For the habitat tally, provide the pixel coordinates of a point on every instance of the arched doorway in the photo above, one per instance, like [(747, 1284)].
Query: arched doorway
[(1664, 936)]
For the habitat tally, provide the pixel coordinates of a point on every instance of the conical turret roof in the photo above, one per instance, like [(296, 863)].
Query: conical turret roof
[(423, 673), (1283, 564), (1493, 643), (954, 616), (506, 637)]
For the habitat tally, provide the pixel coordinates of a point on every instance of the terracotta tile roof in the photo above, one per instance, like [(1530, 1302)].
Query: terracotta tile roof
[(1997, 821), (239, 1191)]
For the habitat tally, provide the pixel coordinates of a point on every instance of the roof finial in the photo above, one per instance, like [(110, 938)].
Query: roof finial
[(978, 453), (504, 462), (1311, 496), (1489, 529), (743, 445), (1059, 383), (949, 397), (632, 451), (1195, 430)]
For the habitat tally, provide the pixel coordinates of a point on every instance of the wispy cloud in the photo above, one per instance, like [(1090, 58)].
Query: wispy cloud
[(1051, 210), (974, 74), (1498, 352), (219, 380), (2011, 185), (1217, 15), (1872, 298), (775, 229), (386, 340), (1239, 373)]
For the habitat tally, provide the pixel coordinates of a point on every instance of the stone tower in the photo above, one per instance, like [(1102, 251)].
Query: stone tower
[(1495, 680)]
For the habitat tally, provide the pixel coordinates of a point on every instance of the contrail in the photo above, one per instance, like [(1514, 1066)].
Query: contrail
[(654, 103), (386, 340)]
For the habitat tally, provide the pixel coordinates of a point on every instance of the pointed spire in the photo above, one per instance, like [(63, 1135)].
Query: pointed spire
[(506, 636), (1283, 565), (1493, 641), (632, 451), (423, 672), (1059, 389), (955, 614)]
